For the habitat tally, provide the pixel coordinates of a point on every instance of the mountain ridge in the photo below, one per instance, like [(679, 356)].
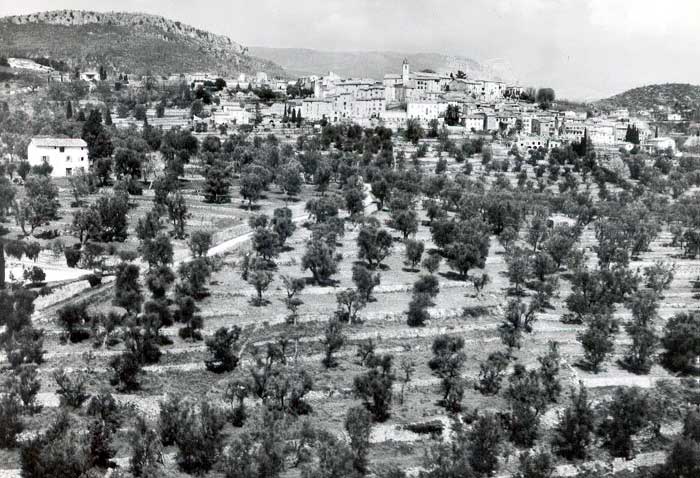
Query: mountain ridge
[(374, 64), (126, 41)]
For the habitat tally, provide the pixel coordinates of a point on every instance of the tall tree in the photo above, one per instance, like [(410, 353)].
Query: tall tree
[(97, 138)]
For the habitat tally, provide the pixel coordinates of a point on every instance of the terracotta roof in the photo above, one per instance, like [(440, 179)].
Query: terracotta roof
[(60, 142)]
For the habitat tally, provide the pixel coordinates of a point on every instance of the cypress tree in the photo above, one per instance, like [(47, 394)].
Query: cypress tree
[(285, 118), (294, 115), (299, 118), (108, 117), (69, 110)]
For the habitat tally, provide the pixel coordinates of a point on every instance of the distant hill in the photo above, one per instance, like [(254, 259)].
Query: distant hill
[(679, 96), (125, 42), (374, 64)]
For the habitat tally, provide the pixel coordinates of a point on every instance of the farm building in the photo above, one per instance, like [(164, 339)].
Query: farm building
[(67, 156)]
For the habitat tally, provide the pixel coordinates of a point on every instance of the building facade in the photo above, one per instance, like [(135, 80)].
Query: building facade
[(67, 156)]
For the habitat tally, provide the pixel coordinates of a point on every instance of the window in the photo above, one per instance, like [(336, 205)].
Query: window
[(69, 171), (67, 159), (61, 149), (45, 158)]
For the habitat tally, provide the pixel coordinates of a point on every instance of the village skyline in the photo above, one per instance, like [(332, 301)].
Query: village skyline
[(583, 49)]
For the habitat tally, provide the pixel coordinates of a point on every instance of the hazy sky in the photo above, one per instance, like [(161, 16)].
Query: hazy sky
[(582, 48)]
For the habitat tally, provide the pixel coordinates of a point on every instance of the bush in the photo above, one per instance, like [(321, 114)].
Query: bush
[(74, 319), (222, 345), (127, 255), (485, 440), (126, 369), (146, 450), (199, 440), (104, 407), (26, 385), (94, 280), (170, 418), (25, 346), (417, 310), (71, 389), (491, 373), (72, 257), (10, 421), (681, 340), (100, 437), (433, 427), (58, 453), (35, 275), (374, 387)]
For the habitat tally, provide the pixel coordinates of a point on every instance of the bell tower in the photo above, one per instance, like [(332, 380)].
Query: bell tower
[(405, 72)]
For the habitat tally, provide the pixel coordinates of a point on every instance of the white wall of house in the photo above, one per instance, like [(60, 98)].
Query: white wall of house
[(65, 158)]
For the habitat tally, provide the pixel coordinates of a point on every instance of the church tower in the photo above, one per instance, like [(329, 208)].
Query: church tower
[(405, 72)]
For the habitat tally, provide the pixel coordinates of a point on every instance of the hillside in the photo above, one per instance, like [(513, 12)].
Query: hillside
[(678, 96), (125, 42), (375, 64)]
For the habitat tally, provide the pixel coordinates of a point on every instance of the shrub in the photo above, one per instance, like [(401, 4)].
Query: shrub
[(222, 345), (491, 373), (625, 415), (74, 319), (72, 257), (126, 368), (26, 385), (100, 437), (358, 424), (199, 243), (10, 421), (681, 340), (94, 280), (417, 310), (414, 251), (146, 454), (71, 389), (58, 453), (25, 346), (199, 440), (35, 275), (332, 341), (536, 465), (374, 387), (365, 280), (170, 418), (433, 427), (127, 255), (575, 427), (104, 407), (485, 440)]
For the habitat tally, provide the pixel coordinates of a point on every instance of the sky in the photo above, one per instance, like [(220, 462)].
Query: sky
[(584, 49)]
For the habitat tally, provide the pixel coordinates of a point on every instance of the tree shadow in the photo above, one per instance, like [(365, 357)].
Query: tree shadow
[(587, 367), (310, 281), (452, 275), (250, 207), (255, 302)]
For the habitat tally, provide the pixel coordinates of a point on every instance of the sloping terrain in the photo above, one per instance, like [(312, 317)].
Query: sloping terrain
[(675, 95), (125, 42)]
